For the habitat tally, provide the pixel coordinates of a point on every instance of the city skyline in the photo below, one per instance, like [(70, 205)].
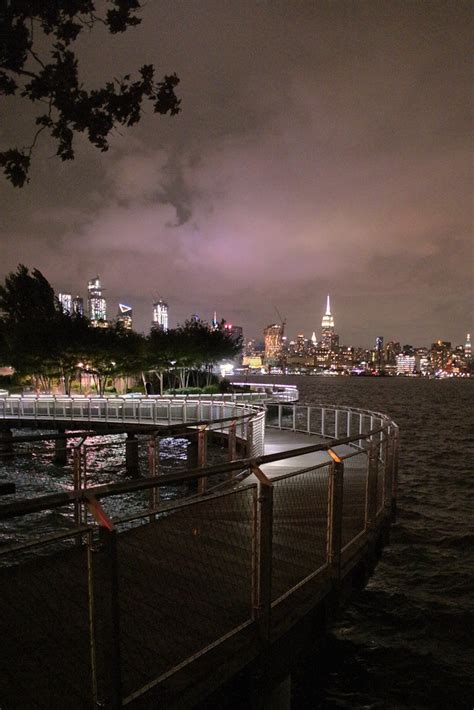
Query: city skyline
[(323, 149), (160, 316)]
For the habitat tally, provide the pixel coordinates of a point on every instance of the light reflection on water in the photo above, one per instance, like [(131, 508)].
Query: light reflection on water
[(33, 471)]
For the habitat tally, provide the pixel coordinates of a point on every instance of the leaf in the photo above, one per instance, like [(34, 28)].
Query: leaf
[(15, 165)]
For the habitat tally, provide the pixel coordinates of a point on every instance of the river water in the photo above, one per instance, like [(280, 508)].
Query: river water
[(407, 640)]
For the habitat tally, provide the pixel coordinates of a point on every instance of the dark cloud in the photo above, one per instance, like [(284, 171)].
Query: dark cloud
[(321, 147)]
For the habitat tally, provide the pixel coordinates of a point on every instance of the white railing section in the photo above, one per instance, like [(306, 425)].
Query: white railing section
[(328, 421), (155, 411), (270, 392)]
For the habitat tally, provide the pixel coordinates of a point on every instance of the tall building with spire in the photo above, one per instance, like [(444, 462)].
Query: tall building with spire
[(125, 316), (468, 348), (97, 303), (329, 339)]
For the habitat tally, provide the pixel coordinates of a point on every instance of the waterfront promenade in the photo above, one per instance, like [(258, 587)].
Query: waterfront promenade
[(165, 606)]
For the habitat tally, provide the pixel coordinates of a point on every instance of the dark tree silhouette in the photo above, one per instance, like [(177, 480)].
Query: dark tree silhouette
[(51, 79), (38, 339)]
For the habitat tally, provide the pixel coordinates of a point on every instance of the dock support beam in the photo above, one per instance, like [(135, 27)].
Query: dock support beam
[(6, 442), (60, 448), (131, 455)]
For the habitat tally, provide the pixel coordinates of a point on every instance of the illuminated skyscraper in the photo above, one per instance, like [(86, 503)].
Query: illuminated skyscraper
[(160, 315), (328, 335), (441, 355), (78, 305), (65, 300), (97, 303), (273, 335), (379, 352), (125, 315), (468, 348)]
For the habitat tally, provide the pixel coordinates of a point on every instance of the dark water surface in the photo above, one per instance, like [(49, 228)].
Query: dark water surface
[(407, 641)]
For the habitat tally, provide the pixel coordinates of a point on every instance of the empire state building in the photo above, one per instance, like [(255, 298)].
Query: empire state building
[(328, 335)]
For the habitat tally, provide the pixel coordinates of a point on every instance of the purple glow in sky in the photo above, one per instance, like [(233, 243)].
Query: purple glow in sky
[(322, 147)]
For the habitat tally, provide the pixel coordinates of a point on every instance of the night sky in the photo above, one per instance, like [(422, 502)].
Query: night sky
[(322, 147)]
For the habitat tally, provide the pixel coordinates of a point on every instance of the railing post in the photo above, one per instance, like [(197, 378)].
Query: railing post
[(335, 501), (262, 573), (280, 406), (336, 423), (371, 487), (323, 422), (294, 417), (77, 483), (92, 618), (308, 420), (108, 540), (394, 474), (388, 469), (249, 438), (232, 441), (385, 449), (202, 456)]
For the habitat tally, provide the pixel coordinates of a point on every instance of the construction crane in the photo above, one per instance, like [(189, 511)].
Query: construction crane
[(282, 320)]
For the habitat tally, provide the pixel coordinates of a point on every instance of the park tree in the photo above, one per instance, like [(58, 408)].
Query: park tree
[(26, 296), (197, 348), (38, 64), (160, 353), (38, 338)]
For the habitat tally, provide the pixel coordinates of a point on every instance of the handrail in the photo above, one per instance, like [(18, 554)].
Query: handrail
[(57, 500), (297, 532)]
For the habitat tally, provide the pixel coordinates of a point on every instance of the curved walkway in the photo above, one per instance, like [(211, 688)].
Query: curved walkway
[(192, 591)]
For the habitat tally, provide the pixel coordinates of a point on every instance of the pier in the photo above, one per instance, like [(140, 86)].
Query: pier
[(166, 605)]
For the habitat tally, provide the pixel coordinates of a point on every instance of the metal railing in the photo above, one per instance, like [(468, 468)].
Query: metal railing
[(327, 421), (270, 391), (141, 411), (151, 593)]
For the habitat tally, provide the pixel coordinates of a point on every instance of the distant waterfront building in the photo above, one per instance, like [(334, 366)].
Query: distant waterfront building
[(97, 303), (235, 331), (329, 339), (406, 364), (392, 349), (379, 352), (468, 348), (300, 344), (160, 314), (441, 356), (253, 362), (273, 336), (125, 316), (78, 305), (65, 299)]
